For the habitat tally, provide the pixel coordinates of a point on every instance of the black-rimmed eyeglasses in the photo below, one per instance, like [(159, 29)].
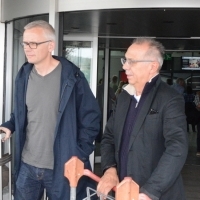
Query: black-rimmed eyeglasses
[(131, 62), (33, 45)]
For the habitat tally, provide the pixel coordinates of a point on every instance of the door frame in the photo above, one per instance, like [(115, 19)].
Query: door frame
[(93, 71)]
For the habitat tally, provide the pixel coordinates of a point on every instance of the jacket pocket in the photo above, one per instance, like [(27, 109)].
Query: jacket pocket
[(81, 154)]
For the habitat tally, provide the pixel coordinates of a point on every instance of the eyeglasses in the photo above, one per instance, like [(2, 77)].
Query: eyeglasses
[(33, 45), (131, 62)]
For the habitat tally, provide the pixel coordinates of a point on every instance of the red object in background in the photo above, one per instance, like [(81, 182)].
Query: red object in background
[(122, 76)]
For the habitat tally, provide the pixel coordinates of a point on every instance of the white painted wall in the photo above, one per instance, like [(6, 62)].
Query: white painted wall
[(69, 5), (9, 72), (2, 36), (20, 8), (54, 20)]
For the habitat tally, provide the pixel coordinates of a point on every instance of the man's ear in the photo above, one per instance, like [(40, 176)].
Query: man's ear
[(155, 67), (51, 46)]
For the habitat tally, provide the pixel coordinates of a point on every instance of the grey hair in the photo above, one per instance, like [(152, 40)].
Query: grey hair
[(48, 29), (156, 49)]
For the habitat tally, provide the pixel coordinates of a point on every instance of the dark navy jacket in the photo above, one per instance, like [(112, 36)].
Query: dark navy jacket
[(77, 125)]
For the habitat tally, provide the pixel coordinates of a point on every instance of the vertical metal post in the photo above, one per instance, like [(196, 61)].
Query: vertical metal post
[(10, 171), (73, 171), (72, 193), (5, 159), (106, 84), (1, 171), (54, 20)]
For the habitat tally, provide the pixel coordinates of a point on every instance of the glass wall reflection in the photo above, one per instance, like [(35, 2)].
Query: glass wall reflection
[(79, 53)]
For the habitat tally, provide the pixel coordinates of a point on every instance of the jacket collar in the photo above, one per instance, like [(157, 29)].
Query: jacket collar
[(69, 76), (68, 72), (131, 89)]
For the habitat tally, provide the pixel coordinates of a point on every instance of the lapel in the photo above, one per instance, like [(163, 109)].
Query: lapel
[(143, 113), (123, 110)]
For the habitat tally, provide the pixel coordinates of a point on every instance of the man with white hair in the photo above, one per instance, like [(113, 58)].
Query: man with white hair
[(146, 136)]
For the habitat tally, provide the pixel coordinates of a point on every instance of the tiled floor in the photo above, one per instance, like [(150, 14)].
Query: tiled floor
[(190, 172)]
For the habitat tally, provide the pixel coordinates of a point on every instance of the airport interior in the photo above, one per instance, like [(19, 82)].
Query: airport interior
[(95, 36)]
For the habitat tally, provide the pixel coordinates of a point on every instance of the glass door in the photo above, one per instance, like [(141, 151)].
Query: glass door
[(82, 51), (79, 53)]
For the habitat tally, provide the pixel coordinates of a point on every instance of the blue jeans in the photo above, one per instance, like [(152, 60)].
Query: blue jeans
[(31, 182)]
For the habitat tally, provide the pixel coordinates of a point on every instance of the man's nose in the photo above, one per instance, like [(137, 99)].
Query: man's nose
[(125, 66)]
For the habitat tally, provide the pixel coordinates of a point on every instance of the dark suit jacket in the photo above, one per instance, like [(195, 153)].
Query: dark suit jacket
[(158, 144)]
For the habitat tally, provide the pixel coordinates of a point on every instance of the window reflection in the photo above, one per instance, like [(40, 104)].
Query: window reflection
[(80, 53)]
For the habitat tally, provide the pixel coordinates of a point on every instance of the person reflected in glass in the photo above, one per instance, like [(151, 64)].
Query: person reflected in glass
[(190, 108), (179, 85), (113, 83)]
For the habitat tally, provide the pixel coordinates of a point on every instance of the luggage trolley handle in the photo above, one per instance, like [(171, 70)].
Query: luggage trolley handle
[(74, 169), (126, 189), (96, 178)]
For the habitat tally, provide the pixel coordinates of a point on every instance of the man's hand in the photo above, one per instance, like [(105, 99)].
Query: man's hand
[(6, 131), (143, 196), (108, 181)]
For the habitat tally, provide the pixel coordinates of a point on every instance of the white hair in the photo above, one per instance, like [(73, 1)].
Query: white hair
[(48, 29)]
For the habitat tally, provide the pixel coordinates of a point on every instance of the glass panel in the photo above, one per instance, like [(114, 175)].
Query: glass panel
[(173, 69), (100, 93), (80, 53), (117, 75), (166, 77), (192, 78)]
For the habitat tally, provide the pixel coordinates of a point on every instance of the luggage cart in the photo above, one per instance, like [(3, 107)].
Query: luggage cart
[(74, 170), (5, 163)]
